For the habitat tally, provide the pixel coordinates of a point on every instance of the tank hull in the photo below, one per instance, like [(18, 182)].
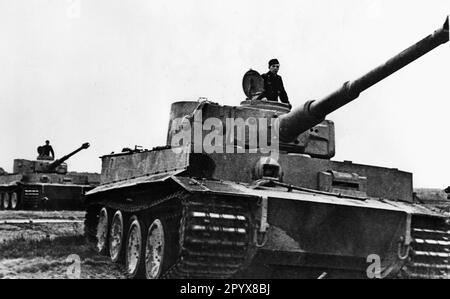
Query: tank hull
[(50, 197), (286, 234), (38, 191)]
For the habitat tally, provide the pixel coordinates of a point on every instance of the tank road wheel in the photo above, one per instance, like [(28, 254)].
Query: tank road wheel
[(116, 237), (6, 201), (14, 201), (157, 248), (102, 232), (135, 253)]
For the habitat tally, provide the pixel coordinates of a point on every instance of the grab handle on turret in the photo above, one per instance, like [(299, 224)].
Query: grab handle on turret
[(312, 113)]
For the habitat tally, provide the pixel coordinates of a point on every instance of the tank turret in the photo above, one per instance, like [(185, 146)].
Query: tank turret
[(312, 113), (42, 166), (254, 124)]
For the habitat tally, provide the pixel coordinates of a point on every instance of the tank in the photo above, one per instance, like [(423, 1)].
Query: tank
[(45, 185), (251, 191)]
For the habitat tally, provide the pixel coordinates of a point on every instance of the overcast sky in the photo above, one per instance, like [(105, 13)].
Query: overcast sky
[(106, 71)]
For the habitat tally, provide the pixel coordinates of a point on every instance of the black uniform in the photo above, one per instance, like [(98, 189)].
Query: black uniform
[(47, 149), (273, 88)]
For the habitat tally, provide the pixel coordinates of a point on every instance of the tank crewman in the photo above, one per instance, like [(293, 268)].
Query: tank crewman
[(273, 84), (46, 151)]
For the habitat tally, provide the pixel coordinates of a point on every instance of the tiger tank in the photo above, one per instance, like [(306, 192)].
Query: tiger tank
[(251, 191), (45, 185)]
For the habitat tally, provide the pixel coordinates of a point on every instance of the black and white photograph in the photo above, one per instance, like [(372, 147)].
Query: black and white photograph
[(226, 145)]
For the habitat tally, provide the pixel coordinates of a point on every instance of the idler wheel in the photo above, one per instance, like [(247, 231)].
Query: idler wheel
[(14, 201), (102, 232), (157, 249), (135, 253), (116, 237)]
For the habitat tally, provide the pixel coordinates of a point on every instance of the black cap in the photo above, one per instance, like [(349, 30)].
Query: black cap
[(273, 61)]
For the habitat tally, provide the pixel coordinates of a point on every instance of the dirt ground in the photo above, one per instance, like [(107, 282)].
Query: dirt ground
[(50, 250), (69, 215)]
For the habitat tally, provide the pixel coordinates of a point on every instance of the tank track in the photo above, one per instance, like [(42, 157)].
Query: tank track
[(214, 234), (214, 238), (430, 250)]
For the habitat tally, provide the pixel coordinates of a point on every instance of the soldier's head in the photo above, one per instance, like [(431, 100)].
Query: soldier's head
[(274, 66), (47, 142)]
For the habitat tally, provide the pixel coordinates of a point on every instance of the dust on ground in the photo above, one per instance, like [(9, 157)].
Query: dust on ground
[(50, 250)]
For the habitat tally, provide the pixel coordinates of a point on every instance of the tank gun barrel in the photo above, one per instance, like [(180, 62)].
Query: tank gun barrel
[(312, 113), (58, 162)]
